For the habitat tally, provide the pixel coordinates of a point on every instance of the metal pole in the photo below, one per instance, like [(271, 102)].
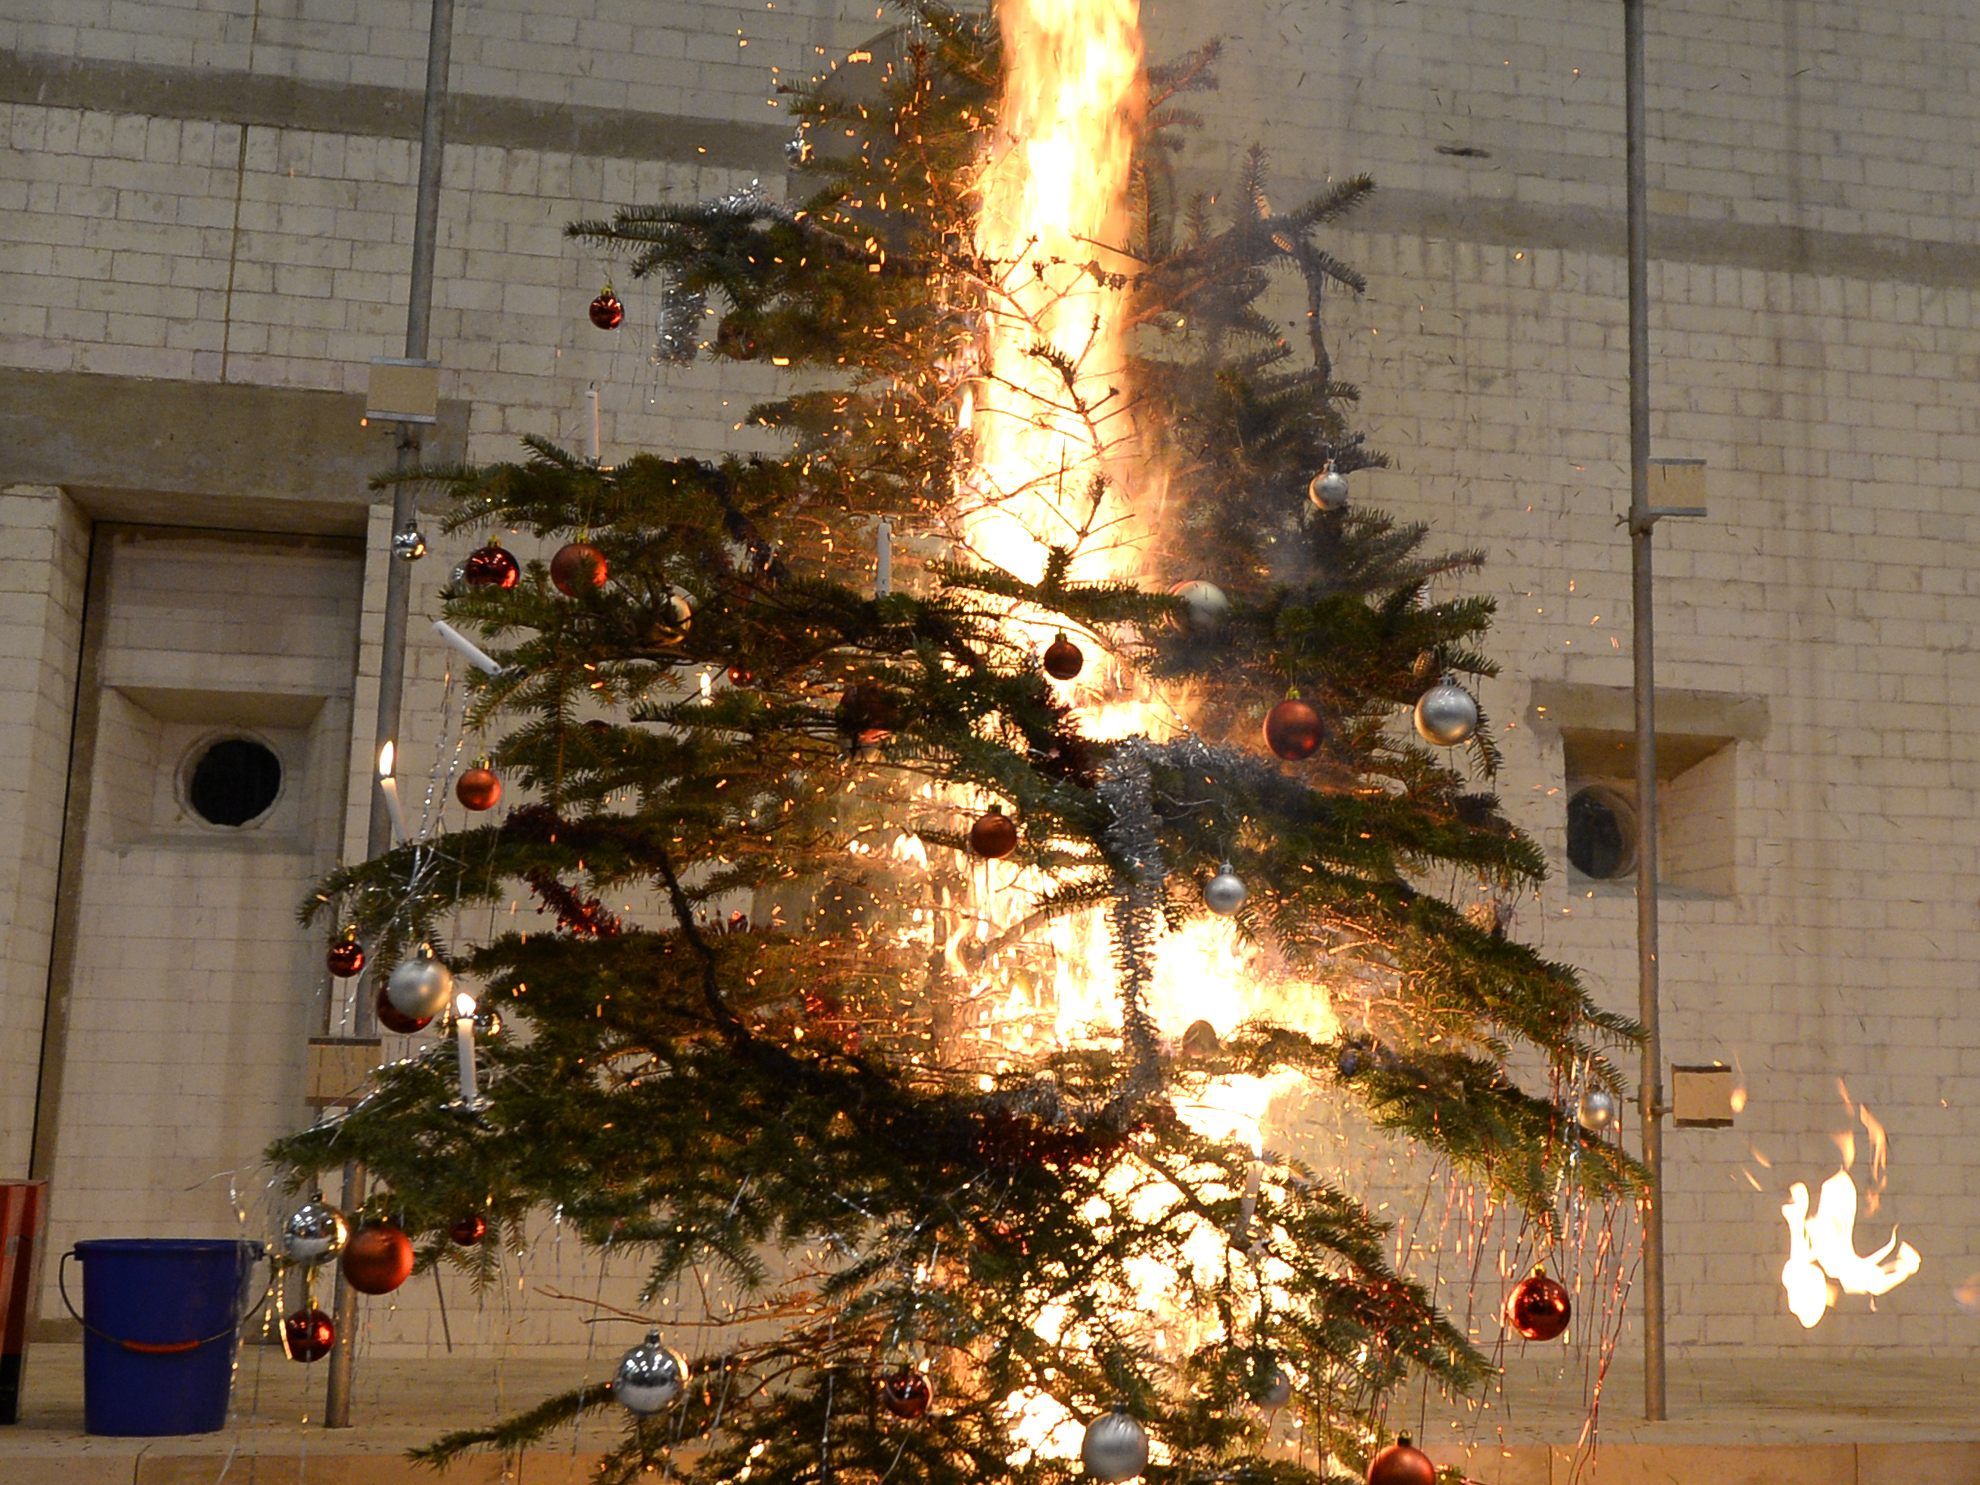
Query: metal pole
[(1642, 522), (398, 602)]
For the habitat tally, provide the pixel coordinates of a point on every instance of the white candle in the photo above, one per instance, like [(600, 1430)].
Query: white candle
[(591, 396), (468, 650), (390, 786), (464, 1045), (883, 578)]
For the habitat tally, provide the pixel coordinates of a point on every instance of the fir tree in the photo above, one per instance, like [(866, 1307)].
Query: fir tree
[(794, 1094)]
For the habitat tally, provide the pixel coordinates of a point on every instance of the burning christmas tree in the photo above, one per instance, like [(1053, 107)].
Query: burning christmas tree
[(1015, 783)]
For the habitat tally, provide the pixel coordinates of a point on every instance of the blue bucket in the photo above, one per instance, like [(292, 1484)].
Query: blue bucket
[(161, 1319)]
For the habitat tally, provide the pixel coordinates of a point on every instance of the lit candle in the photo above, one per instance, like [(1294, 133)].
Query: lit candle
[(468, 650), (883, 578), (1248, 1208), (390, 786), (464, 1045), (707, 687)]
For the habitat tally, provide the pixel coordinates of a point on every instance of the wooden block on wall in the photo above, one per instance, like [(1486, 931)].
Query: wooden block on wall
[(340, 1069)]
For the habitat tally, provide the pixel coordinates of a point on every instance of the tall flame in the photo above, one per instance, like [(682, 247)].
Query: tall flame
[(1822, 1258)]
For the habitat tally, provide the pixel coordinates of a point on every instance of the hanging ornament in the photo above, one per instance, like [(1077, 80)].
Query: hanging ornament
[(1293, 730), (315, 1231), (393, 1019), (1329, 488), (1538, 1307), (797, 149), (1276, 1391), (906, 1393), (1225, 893), (378, 1258), (579, 567), (346, 956), (1115, 1447), (1204, 606), (1597, 1108), (420, 986), (1402, 1463), (479, 788), (741, 675), (490, 567), (1446, 714), (673, 616), (606, 311), (993, 835), (1423, 669), (868, 714), (468, 1230), (650, 1376), (308, 1334), (1063, 659), (409, 542)]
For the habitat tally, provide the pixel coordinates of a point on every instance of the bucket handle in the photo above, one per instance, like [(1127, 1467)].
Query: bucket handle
[(159, 1348)]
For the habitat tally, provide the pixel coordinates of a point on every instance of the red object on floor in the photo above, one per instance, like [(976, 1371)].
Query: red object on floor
[(23, 1204)]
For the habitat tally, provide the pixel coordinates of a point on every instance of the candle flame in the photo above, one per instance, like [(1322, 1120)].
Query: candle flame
[(385, 756)]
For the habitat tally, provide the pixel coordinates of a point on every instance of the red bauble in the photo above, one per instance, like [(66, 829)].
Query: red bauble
[(346, 957), (906, 1393), (993, 835), (378, 1258), (1293, 730), (490, 567), (606, 311), (1063, 659), (1402, 1463), (393, 1019), (1539, 1308), (868, 714), (469, 1230), (308, 1335), (479, 788), (741, 675), (578, 567)]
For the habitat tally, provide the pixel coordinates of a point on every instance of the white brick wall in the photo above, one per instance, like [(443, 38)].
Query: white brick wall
[(1830, 393)]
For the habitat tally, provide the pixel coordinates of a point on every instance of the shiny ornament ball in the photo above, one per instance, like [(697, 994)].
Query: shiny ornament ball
[(1277, 1391), (315, 1231), (650, 1377), (1115, 1447), (393, 1019), (673, 616), (741, 675), (421, 986), (479, 788), (1597, 1109), (906, 1393), (1225, 893), (1204, 606), (606, 311), (1329, 489), (579, 567), (993, 835), (1293, 730), (468, 1230), (378, 1258), (308, 1335), (409, 542), (1539, 1308), (490, 567), (1402, 1463), (1446, 715), (1063, 659), (797, 149), (346, 957)]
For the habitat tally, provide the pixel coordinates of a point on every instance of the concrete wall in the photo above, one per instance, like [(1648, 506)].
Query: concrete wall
[(218, 194)]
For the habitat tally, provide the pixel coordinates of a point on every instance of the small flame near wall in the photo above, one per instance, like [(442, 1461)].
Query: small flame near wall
[(1823, 1263)]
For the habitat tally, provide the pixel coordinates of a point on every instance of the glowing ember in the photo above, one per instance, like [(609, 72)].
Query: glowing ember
[(1822, 1259)]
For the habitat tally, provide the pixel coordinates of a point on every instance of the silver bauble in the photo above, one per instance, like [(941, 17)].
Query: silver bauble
[(1204, 605), (421, 986), (650, 1377), (1115, 1447), (1328, 489), (673, 617), (1446, 715), (1224, 893), (797, 149), (409, 542), (1277, 1391), (315, 1231), (1598, 1108)]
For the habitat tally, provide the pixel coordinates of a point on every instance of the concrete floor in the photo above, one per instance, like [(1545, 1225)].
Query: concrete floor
[(1753, 1423)]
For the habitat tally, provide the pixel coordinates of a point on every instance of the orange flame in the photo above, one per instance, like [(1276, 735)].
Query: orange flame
[(1822, 1261)]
